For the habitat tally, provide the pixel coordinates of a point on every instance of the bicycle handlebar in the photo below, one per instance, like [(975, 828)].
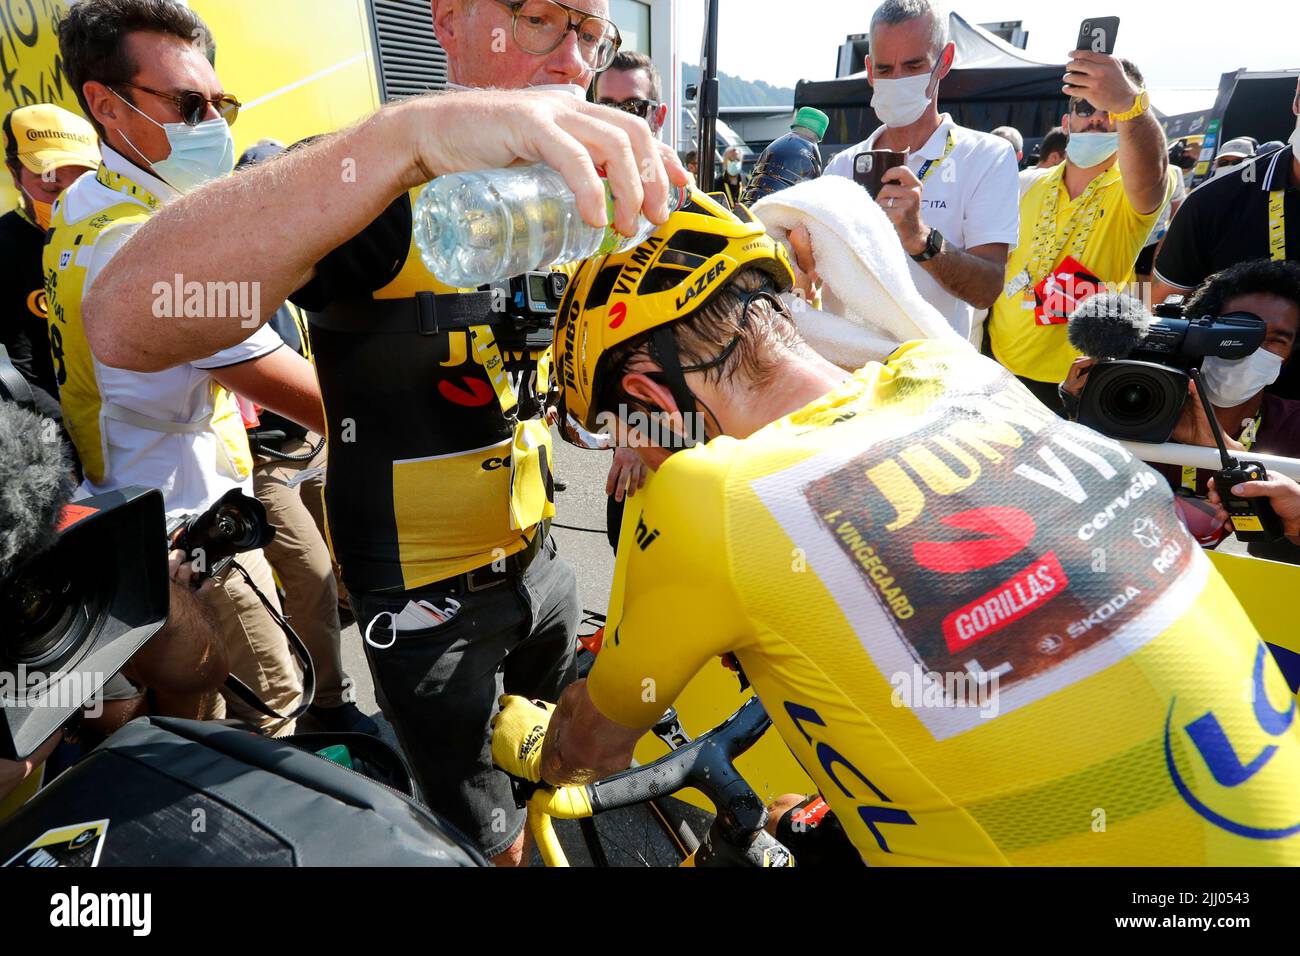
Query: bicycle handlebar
[(705, 764)]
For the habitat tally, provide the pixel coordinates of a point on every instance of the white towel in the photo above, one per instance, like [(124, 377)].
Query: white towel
[(871, 304)]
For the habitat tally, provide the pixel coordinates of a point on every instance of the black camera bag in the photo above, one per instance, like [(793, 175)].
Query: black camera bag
[(168, 792)]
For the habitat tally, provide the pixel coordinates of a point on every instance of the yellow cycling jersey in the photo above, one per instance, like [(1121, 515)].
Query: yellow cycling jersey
[(980, 629)]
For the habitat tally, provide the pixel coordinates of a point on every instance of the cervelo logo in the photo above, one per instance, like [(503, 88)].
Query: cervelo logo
[(76, 909), (617, 315), (1142, 482)]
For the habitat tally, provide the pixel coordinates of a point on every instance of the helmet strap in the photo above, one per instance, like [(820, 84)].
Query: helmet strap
[(664, 348)]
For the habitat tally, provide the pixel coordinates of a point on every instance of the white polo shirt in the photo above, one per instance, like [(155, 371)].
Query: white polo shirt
[(971, 197), (190, 469)]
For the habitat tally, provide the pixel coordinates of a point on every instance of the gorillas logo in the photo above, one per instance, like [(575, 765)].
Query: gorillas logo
[(618, 315), (475, 394)]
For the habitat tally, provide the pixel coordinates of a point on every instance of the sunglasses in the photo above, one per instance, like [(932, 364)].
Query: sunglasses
[(193, 106), (540, 26), (642, 108), (1082, 108)]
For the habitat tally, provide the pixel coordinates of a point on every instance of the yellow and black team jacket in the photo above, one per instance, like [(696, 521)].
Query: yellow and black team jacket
[(418, 488)]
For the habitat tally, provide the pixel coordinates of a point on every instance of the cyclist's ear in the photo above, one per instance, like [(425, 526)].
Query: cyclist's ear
[(649, 391)]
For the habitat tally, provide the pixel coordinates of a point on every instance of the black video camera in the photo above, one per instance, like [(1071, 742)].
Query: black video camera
[(531, 302), (72, 616), (211, 540), (1137, 393)]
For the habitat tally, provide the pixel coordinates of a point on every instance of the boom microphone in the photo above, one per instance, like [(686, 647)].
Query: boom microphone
[(35, 484), (1109, 325)]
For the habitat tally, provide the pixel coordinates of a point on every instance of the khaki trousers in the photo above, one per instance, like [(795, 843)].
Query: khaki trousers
[(258, 650), (301, 560)]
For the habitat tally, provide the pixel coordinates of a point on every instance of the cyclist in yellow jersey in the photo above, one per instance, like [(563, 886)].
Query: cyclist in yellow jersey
[(979, 628)]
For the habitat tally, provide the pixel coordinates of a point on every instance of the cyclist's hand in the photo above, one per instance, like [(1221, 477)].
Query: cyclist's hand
[(565, 803), (518, 732)]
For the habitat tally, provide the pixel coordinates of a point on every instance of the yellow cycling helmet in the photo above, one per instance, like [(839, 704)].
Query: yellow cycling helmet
[(675, 272)]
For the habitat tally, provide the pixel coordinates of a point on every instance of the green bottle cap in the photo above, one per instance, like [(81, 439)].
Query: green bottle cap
[(814, 119), (338, 753)]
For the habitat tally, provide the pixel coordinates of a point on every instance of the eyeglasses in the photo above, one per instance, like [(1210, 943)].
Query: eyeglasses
[(642, 108), (540, 26), (193, 106), (1082, 108)]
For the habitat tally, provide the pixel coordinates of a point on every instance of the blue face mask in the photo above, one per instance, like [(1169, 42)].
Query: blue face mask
[(1091, 149), (199, 154)]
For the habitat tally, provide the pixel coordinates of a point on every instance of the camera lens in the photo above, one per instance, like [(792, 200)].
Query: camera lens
[(1133, 402), (46, 612), (1136, 401)]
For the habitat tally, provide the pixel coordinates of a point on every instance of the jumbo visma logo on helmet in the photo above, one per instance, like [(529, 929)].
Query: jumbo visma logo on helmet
[(1241, 757)]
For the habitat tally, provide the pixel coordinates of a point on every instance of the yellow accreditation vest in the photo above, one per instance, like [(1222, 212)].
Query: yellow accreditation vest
[(68, 250)]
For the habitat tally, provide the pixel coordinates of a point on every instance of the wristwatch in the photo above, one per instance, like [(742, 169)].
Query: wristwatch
[(1140, 105), (933, 246)]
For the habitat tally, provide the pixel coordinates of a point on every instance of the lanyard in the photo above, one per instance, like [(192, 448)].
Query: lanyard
[(931, 165), (119, 183), (1277, 225), (1044, 255), (1249, 435)]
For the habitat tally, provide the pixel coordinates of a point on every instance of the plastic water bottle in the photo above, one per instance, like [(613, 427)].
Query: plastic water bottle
[(480, 227), (790, 160)]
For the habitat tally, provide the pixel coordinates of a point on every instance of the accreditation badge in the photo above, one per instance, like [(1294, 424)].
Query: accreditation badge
[(1062, 290), (1018, 284)]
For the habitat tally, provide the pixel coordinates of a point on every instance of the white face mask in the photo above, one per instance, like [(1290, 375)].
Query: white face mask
[(1295, 135), (1229, 383), (901, 102), (199, 153), (1086, 150)]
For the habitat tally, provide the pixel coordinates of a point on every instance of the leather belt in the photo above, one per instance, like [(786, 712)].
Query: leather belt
[(488, 576)]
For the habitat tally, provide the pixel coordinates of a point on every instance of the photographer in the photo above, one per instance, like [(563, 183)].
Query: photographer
[(1084, 223), (417, 499), (171, 674), (178, 430), (953, 203), (1251, 418)]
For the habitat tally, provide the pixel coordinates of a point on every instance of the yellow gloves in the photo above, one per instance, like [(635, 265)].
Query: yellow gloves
[(518, 732)]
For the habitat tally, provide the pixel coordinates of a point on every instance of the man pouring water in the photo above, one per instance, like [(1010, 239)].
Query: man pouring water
[(454, 575)]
